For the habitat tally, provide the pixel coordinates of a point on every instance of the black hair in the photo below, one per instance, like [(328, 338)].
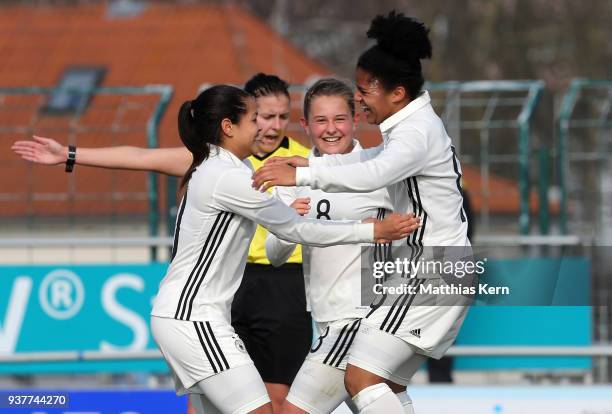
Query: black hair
[(395, 59), (199, 121), (329, 87), (265, 85)]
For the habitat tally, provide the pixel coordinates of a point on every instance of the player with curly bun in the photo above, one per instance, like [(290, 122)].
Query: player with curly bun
[(417, 163)]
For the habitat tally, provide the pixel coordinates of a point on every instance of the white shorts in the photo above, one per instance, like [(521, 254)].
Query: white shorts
[(208, 357), (384, 354), (335, 339), (428, 322), (319, 387)]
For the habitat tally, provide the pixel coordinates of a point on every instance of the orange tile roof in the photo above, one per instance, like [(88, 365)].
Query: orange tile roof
[(181, 45)]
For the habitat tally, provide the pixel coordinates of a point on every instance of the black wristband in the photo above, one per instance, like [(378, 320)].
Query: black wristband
[(71, 158)]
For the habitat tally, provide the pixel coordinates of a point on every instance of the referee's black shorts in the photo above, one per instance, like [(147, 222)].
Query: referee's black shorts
[(269, 314)]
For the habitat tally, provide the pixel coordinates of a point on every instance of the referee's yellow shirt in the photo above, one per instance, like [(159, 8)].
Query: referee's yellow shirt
[(257, 251)]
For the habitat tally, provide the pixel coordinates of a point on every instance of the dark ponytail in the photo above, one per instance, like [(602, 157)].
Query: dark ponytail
[(199, 121), (395, 59)]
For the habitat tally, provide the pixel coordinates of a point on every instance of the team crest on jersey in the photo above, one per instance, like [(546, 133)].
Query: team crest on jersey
[(239, 344)]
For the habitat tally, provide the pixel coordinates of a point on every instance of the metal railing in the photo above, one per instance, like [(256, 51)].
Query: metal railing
[(502, 105), (164, 93), (500, 350), (590, 128)]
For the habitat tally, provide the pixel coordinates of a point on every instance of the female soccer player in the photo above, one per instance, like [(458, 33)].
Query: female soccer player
[(417, 163), (191, 313), (277, 333), (332, 274), (329, 120)]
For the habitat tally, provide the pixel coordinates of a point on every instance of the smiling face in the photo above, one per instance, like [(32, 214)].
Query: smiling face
[(330, 124), (376, 103), (272, 118), (245, 132)]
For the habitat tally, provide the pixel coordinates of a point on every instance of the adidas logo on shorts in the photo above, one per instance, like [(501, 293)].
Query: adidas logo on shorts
[(416, 332)]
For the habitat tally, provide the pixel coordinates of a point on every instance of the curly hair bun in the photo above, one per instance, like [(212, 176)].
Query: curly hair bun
[(403, 37)]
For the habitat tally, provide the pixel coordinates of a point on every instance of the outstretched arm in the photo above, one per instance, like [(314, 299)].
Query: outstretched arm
[(282, 171), (333, 160), (401, 158), (330, 160), (234, 193), (47, 151)]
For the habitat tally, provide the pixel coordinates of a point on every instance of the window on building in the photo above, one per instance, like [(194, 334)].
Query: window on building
[(74, 90)]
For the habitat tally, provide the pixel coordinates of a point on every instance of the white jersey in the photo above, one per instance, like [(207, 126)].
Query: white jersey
[(332, 274), (417, 164), (215, 225)]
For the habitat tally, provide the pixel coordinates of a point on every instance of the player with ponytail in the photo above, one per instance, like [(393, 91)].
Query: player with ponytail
[(199, 121)]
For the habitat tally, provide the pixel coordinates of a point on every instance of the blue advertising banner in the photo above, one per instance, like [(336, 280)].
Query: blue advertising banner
[(106, 308), (565, 281), (78, 308)]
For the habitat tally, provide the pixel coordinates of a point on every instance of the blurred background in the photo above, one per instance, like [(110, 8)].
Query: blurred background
[(524, 88)]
